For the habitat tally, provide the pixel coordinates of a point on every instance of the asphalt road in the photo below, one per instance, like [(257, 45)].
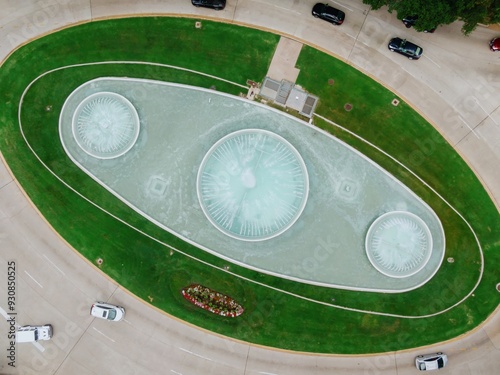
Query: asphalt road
[(455, 85)]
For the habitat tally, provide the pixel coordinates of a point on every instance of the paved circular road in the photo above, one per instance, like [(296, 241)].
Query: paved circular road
[(455, 85)]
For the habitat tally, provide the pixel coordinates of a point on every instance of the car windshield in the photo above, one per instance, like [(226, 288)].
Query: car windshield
[(111, 314), (432, 363)]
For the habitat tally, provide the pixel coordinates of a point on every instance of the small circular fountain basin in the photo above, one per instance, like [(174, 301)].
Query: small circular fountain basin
[(105, 125), (398, 244)]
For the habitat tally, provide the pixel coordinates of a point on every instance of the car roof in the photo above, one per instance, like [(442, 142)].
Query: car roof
[(325, 8), (396, 40), (433, 363), (409, 46), (100, 308), (108, 310)]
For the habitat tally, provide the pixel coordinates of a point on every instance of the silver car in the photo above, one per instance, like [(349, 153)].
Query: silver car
[(107, 311), (429, 362)]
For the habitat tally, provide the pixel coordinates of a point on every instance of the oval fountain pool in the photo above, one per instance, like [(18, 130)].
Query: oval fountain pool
[(256, 187)]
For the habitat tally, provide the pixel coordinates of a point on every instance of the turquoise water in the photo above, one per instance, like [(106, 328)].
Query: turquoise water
[(252, 185)]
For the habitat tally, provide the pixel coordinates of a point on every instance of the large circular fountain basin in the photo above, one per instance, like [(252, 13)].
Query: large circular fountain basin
[(252, 185)]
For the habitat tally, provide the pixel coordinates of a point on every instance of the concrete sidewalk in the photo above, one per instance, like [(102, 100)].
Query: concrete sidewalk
[(284, 60)]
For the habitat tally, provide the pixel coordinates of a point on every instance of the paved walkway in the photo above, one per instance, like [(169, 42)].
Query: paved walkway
[(285, 57)]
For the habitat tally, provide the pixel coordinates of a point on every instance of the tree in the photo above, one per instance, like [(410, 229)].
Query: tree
[(485, 11), (441, 12)]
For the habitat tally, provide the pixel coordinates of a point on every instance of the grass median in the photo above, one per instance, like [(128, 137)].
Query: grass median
[(146, 265)]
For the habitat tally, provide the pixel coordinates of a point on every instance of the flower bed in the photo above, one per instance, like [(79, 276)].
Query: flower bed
[(212, 301)]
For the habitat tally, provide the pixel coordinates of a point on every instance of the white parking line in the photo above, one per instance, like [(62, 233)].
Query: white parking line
[(38, 346), (51, 262), (472, 130), (175, 372), (197, 355), (484, 110), (109, 338), (286, 9), (431, 60), (277, 6), (4, 314), (343, 6), (32, 278), (406, 70)]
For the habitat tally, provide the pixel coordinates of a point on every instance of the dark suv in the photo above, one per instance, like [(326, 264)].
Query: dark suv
[(212, 4), (410, 21), (328, 13), (405, 48)]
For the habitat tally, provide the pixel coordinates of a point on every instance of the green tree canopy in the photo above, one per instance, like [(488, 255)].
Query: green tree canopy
[(441, 12)]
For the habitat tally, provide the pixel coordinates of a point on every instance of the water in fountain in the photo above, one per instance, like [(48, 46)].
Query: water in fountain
[(105, 125), (398, 244), (252, 185)]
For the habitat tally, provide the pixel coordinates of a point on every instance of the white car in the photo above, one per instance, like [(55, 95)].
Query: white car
[(429, 362), (34, 333), (107, 311)]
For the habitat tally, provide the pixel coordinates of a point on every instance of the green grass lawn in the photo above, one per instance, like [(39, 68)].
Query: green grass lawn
[(151, 271)]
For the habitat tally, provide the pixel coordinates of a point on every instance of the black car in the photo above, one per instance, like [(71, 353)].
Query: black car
[(408, 49), (411, 21), (212, 4), (328, 13)]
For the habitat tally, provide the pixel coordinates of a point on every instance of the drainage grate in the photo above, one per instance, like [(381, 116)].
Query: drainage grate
[(309, 106), (273, 85), (269, 88), (283, 92)]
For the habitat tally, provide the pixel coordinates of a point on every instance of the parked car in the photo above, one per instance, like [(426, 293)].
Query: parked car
[(405, 48), (107, 311), (410, 21), (495, 44), (429, 362), (212, 4), (328, 13), (34, 333)]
